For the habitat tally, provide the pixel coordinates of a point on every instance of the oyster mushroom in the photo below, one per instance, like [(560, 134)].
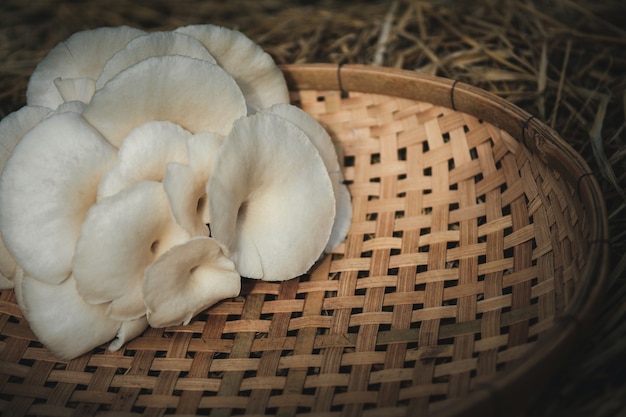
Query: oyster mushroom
[(186, 185), (271, 199), (260, 80), (46, 188), (120, 237), (195, 94), (12, 129), (187, 279), (82, 55), (323, 143), (149, 45), (144, 155)]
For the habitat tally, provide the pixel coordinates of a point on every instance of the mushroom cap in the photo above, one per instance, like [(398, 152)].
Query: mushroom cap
[(324, 144), (261, 81), (187, 279), (144, 155), (152, 44), (12, 128), (195, 94), (82, 55), (46, 188), (186, 185), (61, 319), (119, 238), (271, 199)]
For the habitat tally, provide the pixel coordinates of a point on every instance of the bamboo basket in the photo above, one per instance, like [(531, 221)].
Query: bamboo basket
[(476, 255)]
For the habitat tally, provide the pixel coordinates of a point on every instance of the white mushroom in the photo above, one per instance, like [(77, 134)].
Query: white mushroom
[(128, 331), (324, 144), (61, 319), (149, 45), (144, 155), (120, 237), (82, 55), (195, 94), (12, 129), (271, 199), (260, 79), (186, 185), (187, 279), (46, 188)]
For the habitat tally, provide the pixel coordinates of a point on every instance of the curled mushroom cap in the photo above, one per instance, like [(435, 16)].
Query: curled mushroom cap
[(195, 94), (260, 79), (186, 185), (152, 44), (323, 143), (82, 55), (144, 155), (120, 237), (46, 188), (271, 199), (61, 319), (187, 279)]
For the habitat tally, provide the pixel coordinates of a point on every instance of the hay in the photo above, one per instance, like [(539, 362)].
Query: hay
[(563, 62)]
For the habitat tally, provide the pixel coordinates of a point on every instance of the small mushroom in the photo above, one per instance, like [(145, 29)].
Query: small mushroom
[(186, 185), (255, 71), (119, 238), (60, 318), (144, 155), (149, 45), (271, 199), (46, 188), (82, 55), (195, 94), (324, 144), (187, 279)]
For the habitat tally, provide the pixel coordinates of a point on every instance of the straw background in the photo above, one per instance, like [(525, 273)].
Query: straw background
[(564, 62)]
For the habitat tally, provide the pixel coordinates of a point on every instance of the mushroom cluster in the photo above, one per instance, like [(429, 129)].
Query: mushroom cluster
[(148, 173)]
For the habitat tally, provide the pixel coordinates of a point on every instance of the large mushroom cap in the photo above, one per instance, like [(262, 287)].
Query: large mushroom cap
[(260, 79), (46, 188), (324, 144), (61, 319), (82, 55), (120, 237), (271, 199), (187, 279), (195, 94), (152, 44)]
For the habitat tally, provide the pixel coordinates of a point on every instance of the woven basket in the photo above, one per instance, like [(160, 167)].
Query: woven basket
[(477, 252)]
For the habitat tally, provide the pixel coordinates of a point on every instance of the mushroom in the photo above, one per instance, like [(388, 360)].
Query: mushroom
[(257, 75), (12, 128), (152, 44), (195, 94), (119, 238), (46, 188), (75, 89), (144, 154), (271, 199), (186, 185), (60, 318), (82, 55), (322, 141), (187, 279)]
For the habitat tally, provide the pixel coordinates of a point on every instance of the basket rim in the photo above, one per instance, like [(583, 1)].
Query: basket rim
[(544, 359)]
